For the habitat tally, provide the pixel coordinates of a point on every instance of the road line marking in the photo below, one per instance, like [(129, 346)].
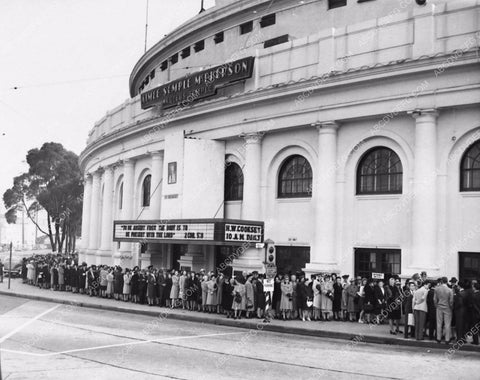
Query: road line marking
[(11, 333), (118, 344)]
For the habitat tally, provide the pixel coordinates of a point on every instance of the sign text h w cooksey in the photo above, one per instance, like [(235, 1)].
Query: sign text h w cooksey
[(198, 85)]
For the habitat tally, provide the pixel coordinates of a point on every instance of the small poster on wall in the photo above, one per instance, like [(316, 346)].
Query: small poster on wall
[(172, 172)]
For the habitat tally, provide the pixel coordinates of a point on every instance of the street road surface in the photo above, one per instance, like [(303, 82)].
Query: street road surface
[(41, 340)]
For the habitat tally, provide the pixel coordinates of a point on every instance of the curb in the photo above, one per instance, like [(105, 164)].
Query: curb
[(354, 338)]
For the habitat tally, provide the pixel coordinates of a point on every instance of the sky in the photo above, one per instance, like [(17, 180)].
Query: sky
[(65, 63)]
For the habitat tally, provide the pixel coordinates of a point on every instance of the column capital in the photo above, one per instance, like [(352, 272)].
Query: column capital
[(253, 138), (426, 113), (326, 126), (108, 169), (87, 177), (156, 154), (128, 161)]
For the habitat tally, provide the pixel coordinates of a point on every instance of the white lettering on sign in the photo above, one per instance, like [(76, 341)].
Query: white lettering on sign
[(165, 231), (243, 232)]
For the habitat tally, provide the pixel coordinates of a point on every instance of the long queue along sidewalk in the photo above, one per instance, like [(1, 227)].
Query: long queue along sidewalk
[(354, 333)]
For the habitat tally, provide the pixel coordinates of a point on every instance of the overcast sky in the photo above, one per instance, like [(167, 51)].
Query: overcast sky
[(70, 61)]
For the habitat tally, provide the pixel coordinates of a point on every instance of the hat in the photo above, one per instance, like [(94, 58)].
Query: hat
[(345, 276)]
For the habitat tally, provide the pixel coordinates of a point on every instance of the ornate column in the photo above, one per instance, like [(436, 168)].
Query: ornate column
[(251, 174), (127, 204), (87, 195), (107, 220), (156, 189), (94, 227), (424, 213), (251, 258), (323, 252)]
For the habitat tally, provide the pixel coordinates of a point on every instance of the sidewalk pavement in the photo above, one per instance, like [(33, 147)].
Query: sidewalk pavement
[(353, 332)]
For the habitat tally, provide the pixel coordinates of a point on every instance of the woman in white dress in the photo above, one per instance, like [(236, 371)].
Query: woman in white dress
[(127, 288)]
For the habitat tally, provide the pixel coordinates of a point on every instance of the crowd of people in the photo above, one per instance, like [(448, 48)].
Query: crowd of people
[(425, 308)]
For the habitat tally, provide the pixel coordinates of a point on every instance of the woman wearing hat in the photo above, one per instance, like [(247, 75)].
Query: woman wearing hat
[(327, 297), (286, 300), (352, 300)]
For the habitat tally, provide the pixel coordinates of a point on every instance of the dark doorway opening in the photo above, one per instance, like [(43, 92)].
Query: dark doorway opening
[(292, 259), (375, 260), (469, 265)]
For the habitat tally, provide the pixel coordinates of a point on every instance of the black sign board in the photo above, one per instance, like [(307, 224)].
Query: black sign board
[(191, 231), (199, 85)]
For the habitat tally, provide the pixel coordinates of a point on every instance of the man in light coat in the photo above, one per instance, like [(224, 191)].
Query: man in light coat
[(444, 303)]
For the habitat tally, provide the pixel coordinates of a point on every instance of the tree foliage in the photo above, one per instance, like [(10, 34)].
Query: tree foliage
[(53, 183)]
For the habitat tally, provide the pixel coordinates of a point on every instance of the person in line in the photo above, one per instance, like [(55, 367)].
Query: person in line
[(420, 309), (394, 314), (286, 300), (444, 303)]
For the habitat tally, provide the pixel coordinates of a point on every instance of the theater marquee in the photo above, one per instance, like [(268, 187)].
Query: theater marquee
[(198, 85), (191, 231)]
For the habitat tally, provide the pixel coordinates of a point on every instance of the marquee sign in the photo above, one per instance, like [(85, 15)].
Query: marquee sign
[(196, 86), (191, 231), (242, 232)]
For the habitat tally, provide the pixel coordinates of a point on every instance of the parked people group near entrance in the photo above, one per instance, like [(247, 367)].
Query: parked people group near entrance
[(441, 309)]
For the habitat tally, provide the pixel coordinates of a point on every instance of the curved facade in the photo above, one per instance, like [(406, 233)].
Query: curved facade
[(348, 136)]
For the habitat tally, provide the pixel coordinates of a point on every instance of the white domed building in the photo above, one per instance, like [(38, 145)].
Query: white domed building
[(345, 133)]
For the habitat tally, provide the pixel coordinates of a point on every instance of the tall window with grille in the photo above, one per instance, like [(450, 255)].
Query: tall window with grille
[(233, 182), (380, 172), (295, 178), (146, 186), (470, 168)]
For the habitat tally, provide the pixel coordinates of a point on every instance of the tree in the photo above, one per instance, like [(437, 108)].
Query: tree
[(53, 183)]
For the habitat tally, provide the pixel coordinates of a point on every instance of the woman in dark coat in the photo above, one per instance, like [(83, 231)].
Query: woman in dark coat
[(369, 302), (82, 277), (277, 295), (227, 297), (142, 286), (408, 308), (117, 283), (380, 298), (394, 310), (260, 296), (168, 289), (134, 284), (190, 290), (337, 299), (302, 298)]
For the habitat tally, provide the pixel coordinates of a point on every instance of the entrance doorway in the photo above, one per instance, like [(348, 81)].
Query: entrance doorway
[(223, 259), (178, 250), (292, 259), (374, 260), (469, 265)]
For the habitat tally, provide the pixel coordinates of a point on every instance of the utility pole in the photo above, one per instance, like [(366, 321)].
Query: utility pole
[(146, 28)]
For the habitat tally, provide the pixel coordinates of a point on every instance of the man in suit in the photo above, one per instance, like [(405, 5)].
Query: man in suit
[(444, 303)]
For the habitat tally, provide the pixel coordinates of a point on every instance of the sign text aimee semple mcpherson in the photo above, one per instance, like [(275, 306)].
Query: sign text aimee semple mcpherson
[(198, 85)]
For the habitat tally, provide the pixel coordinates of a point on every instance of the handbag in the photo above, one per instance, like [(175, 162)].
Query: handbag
[(411, 320), (238, 297)]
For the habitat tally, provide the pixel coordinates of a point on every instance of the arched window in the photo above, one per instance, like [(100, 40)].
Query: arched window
[(295, 178), (120, 197), (233, 182), (380, 172), (146, 191), (470, 169)]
